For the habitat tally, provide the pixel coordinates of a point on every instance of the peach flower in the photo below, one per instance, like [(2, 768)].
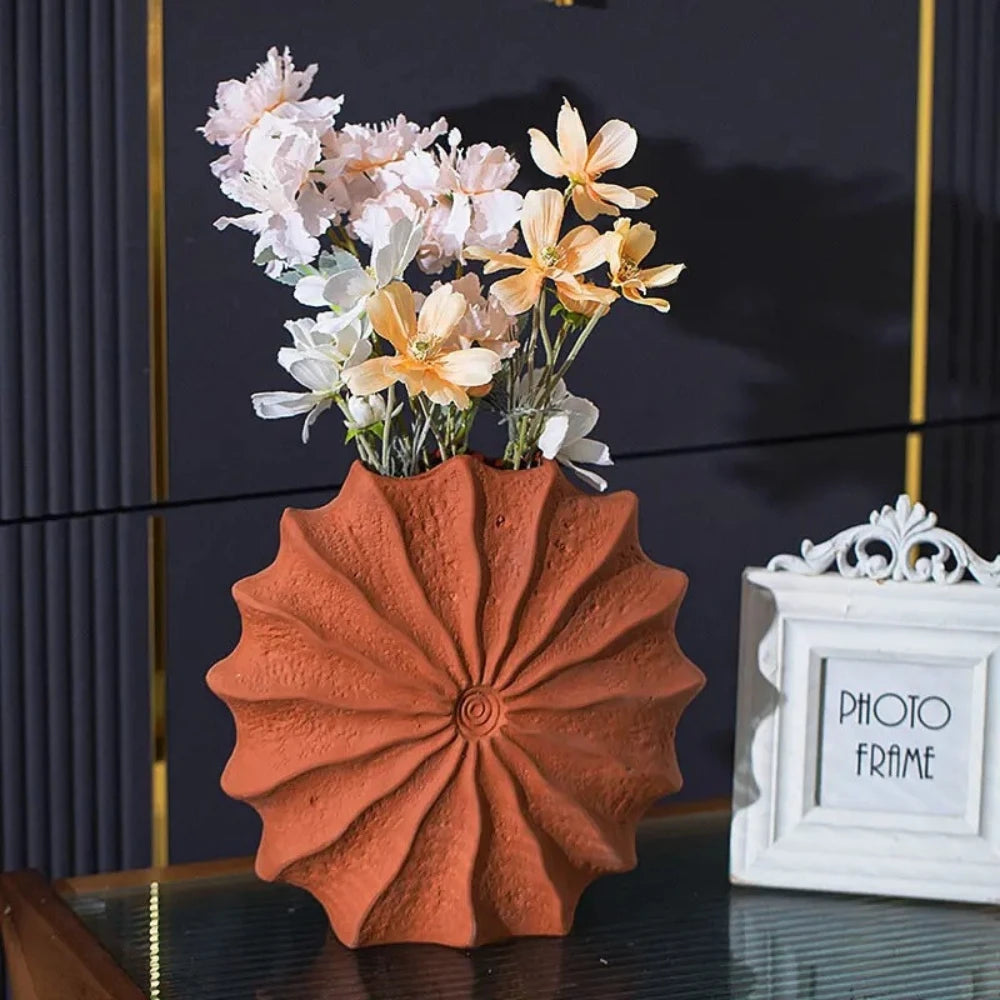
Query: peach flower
[(424, 362), (582, 164), (561, 260), (629, 247)]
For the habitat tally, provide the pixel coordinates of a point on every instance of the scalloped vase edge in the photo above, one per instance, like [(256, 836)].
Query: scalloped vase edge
[(455, 696)]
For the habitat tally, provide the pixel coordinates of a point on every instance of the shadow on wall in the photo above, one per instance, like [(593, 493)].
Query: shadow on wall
[(827, 319)]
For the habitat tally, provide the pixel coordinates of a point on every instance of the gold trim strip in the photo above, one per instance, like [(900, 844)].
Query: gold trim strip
[(921, 249), (156, 540), (158, 428)]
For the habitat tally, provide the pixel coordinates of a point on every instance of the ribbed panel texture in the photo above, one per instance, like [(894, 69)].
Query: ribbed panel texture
[(965, 283), (74, 696), (73, 350), (962, 482)]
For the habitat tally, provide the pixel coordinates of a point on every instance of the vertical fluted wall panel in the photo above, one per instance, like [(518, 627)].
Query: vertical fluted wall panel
[(964, 371), (74, 354), (962, 482), (74, 695), (960, 476)]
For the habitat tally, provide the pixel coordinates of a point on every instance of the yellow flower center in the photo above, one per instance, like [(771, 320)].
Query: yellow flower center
[(421, 349), (627, 270), (551, 256)]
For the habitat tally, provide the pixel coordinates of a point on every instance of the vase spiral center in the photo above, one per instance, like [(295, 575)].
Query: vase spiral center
[(478, 712)]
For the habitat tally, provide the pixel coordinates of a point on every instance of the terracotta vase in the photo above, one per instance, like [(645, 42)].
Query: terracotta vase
[(455, 695)]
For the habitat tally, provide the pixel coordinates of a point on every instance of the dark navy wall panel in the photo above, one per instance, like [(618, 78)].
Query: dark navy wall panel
[(708, 514), (74, 695), (73, 354), (209, 548), (779, 134)]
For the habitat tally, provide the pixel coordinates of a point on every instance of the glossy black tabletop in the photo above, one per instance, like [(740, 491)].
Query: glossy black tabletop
[(672, 929)]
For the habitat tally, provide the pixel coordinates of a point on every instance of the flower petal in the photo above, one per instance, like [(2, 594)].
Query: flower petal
[(583, 249), (572, 138), (581, 292), (439, 390), (639, 241), (633, 295), (591, 478), (612, 147), (309, 291), (554, 432), (394, 317), (474, 366), (582, 414), (441, 312), (499, 261), (545, 155), (314, 372), (623, 197), (541, 219), (392, 259), (275, 405), (588, 450), (372, 376), (321, 406), (519, 292), (588, 206), (345, 288), (658, 277)]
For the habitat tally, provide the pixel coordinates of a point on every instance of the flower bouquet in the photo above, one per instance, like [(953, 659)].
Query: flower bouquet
[(458, 683)]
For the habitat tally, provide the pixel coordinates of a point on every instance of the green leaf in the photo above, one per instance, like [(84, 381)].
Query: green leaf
[(574, 320)]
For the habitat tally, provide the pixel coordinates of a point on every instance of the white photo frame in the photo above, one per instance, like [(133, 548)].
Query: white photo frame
[(868, 716)]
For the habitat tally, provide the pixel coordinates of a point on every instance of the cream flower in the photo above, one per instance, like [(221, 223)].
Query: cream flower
[(472, 205), (374, 219), (564, 435), (580, 250), (364, 411), (276, 181), (630, 245), (582, 164), (323, 350), (424, 361), (362, 148), (485, 323), (350, 285), (377, 174), (275, 87)]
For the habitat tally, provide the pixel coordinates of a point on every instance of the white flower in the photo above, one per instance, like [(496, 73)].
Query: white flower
[(276, 181), (364, 411), (350, 285), (564, 434), (275, 87), (323, 348)]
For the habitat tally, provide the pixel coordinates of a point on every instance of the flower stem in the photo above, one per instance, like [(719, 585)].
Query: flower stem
[(390, 405), (580, 341)]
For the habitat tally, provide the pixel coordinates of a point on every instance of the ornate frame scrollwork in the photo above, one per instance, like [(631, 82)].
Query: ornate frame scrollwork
[(902, 530)]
